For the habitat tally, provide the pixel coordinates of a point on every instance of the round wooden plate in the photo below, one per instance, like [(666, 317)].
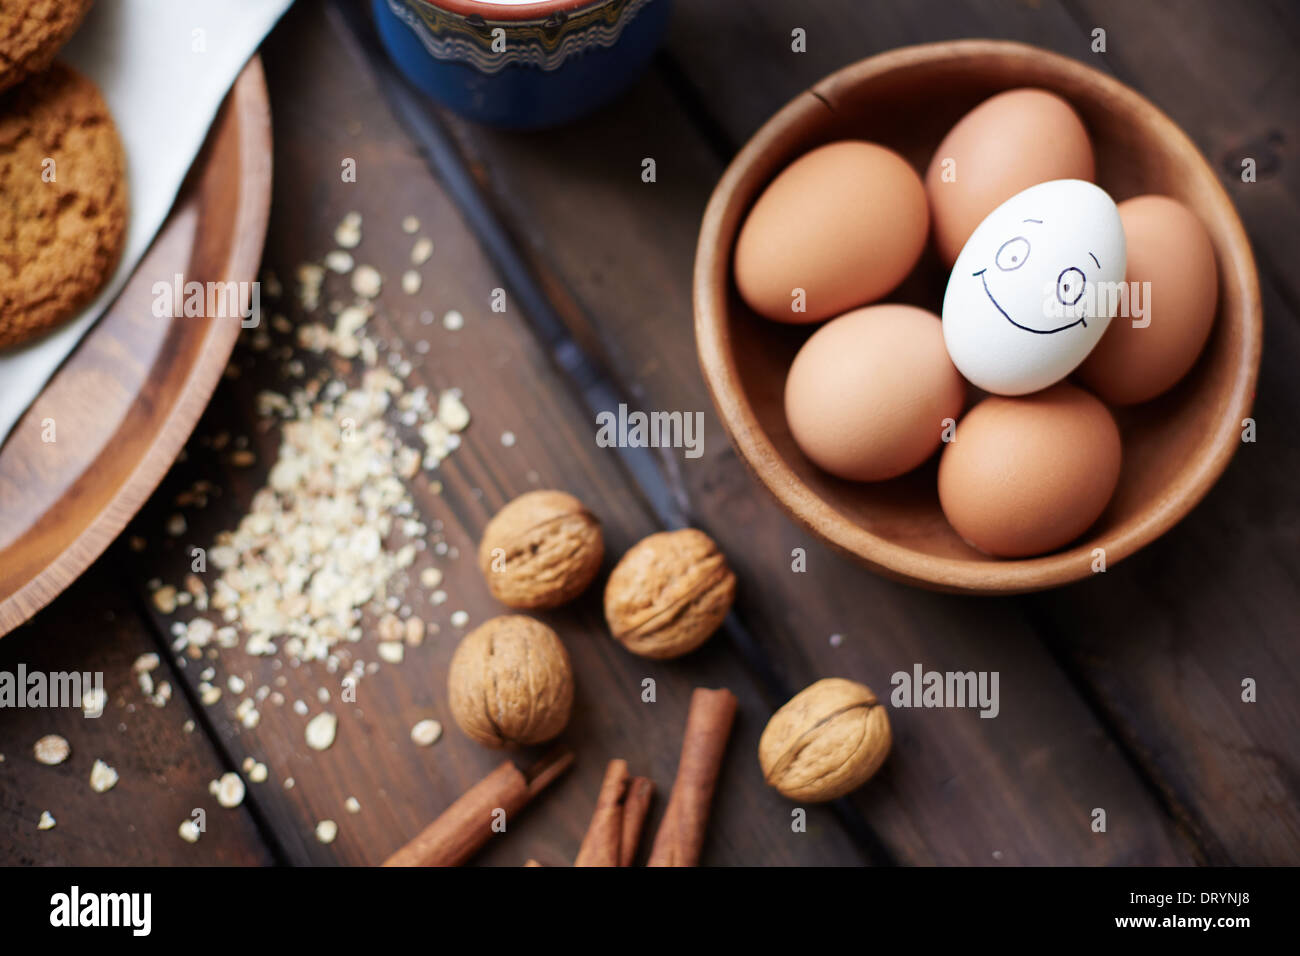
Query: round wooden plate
[(127, 398)]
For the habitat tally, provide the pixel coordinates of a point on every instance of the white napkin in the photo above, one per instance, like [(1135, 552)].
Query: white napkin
[(164, 66)]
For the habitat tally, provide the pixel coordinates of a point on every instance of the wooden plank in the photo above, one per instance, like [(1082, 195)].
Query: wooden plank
[(1221, 581), (1216, 602), (164, 770), (1228, 74), (326, 109), (615, 255)]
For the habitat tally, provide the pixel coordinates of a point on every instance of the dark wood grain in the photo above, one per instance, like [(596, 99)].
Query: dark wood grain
[(1243, 106), (509, 384), (126, 399), (164, 770)]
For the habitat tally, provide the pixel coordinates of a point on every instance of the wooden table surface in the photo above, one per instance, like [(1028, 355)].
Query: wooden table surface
[(1122, 693)]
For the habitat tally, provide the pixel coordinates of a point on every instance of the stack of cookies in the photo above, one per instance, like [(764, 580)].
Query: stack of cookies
[(63, 191)]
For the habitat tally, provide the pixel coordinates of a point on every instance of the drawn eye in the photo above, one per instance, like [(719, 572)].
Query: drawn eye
[(1012, 254), (1069, 286)]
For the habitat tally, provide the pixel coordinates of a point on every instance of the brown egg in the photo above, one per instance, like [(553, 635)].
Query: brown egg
[(868, 393), (844, 223), (1028, 475), (1169, 248), (1008, 143)]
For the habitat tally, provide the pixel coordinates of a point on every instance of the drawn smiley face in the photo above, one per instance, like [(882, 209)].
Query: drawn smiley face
[(1028, 297), (1071, 283)]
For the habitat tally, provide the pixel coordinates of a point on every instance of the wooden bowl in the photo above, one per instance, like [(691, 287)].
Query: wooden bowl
[(1175, 446), (129, 395)]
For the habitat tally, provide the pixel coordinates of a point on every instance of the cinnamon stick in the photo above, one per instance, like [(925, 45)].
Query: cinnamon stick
[(635, 807), (600, 847), (681, 832), (466, 825)]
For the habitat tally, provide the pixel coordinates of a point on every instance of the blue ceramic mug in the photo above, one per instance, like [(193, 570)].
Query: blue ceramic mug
[(521, 64)]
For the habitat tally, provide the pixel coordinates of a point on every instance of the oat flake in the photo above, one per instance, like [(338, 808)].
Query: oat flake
[(102, 777), (230, 790), (52, 750), (426, 733), (320, 730)]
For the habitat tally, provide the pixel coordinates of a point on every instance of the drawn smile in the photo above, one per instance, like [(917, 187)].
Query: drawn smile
[(985, 281)]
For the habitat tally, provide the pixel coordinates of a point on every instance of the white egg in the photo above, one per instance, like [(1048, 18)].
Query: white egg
[(1035, 287)]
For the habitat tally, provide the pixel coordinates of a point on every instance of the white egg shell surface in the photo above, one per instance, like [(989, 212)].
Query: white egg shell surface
[(1035, 287)]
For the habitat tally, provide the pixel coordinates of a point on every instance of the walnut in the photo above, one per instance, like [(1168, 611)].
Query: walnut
[(510, 683), (827, 740), (669, 593), (541, 550)]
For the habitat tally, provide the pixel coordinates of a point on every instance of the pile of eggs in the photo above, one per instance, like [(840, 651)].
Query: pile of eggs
[(1050, 280)]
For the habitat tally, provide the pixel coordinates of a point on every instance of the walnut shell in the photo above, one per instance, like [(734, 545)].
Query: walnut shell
[(827, 740), (547, 546), (669, 593), (510, 683)]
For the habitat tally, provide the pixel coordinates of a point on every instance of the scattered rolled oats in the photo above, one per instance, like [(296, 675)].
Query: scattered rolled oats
[(390, 628), (102, 777), (391, 652), (431, 577), (426, 733), (46, 822), (321, 730), (453, 321), (310, 279), (366, 281), (421, 251), (414, 635), (229, 790), (459, 619), (176, 525), (348, 232), (164, 599), (411, 282), (339, 261), (410, 225), (257, 773), (353, 805), (452, 412), (326, 831), (52, 750), (94, 701), (189, 831)]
